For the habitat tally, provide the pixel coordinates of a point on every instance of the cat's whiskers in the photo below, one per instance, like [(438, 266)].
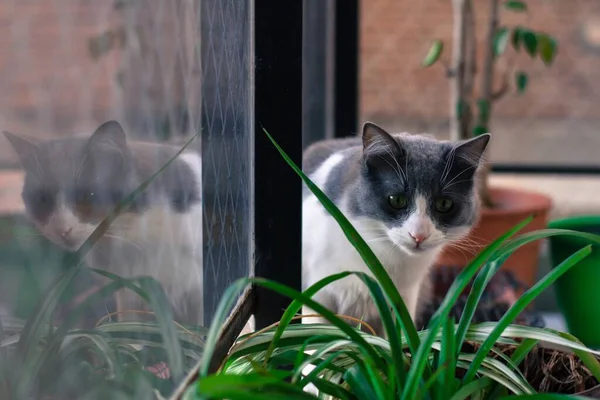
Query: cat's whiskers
[(448, 165), (391, 166), (82, 164), (378, 240), (449, 185), (470, 167), (403, 172)]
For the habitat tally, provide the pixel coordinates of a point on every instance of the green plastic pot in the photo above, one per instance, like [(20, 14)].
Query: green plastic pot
[(578, 291)]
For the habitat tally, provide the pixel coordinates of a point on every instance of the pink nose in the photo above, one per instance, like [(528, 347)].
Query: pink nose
[(66, 232), (418, 238)]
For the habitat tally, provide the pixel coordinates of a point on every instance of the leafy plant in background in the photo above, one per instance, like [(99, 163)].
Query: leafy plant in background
[(42, 361), (338, 361), (464, 122)]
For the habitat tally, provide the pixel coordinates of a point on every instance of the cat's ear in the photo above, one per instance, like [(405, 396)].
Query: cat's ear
[(27, 149), (472, 150), (377, 142), (109, 135)]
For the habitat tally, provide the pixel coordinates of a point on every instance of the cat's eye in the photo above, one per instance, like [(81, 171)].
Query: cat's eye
[(43, 198), (443, 205), (397, 201), (84, 197)]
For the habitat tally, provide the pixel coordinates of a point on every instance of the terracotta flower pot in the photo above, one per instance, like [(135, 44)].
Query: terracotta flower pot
[(514, 205)]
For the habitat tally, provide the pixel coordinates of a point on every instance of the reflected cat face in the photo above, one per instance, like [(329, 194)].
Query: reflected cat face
[(71, 184)]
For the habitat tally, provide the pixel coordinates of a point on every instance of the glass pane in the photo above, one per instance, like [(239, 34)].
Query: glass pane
[(554, 122), (167, 72)]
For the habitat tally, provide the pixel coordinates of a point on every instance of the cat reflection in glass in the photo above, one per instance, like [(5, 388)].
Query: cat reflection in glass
[(71, 184)]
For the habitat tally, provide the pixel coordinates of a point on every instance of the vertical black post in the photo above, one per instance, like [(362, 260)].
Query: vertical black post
[(347, 26), (277, 189)]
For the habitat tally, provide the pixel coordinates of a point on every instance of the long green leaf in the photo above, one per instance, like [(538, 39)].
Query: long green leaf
[(448, 358), (359, 384), (518, 356), (545, 396), (483, 330), (520, 305), (481, 281), (296, 305), (466, 391), (388, 323), (227, 301)]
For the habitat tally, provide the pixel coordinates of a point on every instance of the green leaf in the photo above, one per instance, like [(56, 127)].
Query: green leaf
[(545, 396), (516, 38), (529, 39), (481, 281), (500, 40), (252, 386), (448, 357), (359, 384), (434, 53), (480, 130), (228, 299), (515, 5), (484, 106), (466, 391), (521, 80), (548, 47)]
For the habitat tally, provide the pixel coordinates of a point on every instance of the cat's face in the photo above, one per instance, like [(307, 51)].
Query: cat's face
[(421, 189), (71, 184)]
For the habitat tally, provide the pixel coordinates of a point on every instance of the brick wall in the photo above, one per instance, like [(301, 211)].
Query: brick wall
[(51, 85), (396, 35)]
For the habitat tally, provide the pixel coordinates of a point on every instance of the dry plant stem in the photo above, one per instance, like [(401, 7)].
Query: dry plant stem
[(487, 80)]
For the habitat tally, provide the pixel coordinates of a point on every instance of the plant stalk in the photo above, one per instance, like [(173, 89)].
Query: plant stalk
[(458, 104), (485, 101)]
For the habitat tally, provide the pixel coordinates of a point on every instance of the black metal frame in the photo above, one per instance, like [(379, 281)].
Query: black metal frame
[(546, 169), (347, 31), (277, 189)]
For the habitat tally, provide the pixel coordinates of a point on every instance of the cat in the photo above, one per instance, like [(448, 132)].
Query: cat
[(407, 195), (72, 183)]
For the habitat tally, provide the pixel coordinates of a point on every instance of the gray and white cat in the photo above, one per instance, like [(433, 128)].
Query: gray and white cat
[(72, 183), (407, 195)]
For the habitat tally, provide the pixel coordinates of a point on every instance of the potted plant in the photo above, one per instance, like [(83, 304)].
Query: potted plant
[(470, 112)]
